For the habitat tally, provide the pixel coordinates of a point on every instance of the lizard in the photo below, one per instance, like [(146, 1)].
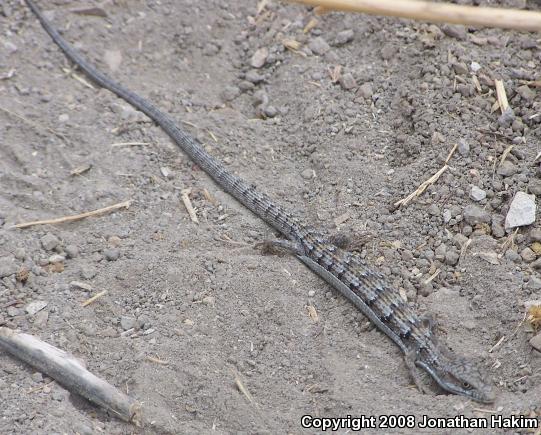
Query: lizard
[(346, 271)]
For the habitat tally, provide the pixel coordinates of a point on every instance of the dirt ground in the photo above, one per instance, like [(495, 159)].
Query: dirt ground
[(336, 123)]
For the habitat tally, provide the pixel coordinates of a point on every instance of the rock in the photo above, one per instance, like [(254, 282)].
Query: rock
[(447, 216), (475, 215), (506, 118), (434, 210), (534, 283), (347, 81), (19, 254), (522, 211), (111, 254), (35, 306), (49, 242), (474, 66), (365, 91), (56, 258), (497, 230), (254, 77), (536, 264), (307, 174), (512, 256), (477, 194), (8, 267), (526, 92), (230, 93), (460, 68), (72, 251), (535, 342), (535, 234), (344, 37), (270, 111), (455, 31), (451, 257), (463, 148), (506, 169), (88, 272), (527, 255), (259, 58), (319, 46), (534, 186), (127, 322)]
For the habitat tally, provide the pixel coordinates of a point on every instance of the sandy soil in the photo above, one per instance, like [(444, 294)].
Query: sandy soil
[(338, 129)]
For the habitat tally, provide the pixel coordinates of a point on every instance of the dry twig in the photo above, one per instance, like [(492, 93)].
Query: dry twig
[(421, 188), (68, 371), (185, 194), (77, 217), (437, 12)]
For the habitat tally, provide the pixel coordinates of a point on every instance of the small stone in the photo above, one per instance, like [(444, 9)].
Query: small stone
[(259, 58), (56, 258), (498, 230), (535, 342), (506, 118), (270, 111), (40, 319), (8, 267), (434, 210), (474, 215), (230, 93), (513, 256), (534, 186), (344, 37), (166, 172), (447, 216), (463, 148), (19, 254), (114, 241), (451, 257), (111, 254), (365, 91), (477, 194), (319, 46), (455, 31), (536, 264), (307, 174), (521, 211), (72, 251), (14, 311), (88, 272), (474, 66), (527, 255), (209, 300), (37, 377), (254, 77), (526, 92), (35, 306), (63, 118), (49, 242), (507, 168), (460, 68), (78, 285), (535, 234), (534, 283), (347, 81), (127, 322), (311, 293)]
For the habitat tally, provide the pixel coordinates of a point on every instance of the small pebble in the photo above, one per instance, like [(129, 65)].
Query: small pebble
[(111, 254), (319, 46), (49, 242), (259, 58), (477, 194), (521, 211)]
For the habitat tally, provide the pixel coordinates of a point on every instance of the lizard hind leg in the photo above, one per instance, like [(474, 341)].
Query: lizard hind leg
[(416, 373)]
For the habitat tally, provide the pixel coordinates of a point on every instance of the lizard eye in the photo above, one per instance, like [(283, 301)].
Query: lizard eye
[(466, 386)]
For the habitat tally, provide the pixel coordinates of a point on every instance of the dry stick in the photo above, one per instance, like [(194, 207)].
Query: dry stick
[(60, 220), (422, 187), (64, 368), (188, 204), (94, 298), (502, 96), (437, 12)]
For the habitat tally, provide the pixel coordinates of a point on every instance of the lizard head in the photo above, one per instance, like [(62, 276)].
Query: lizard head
[(459, 376)]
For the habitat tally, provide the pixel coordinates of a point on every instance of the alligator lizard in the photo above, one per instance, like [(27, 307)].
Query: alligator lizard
[(345, 271)]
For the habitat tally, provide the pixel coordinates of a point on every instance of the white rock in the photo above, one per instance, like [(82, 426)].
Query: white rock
[(477, 194), (522, 211)]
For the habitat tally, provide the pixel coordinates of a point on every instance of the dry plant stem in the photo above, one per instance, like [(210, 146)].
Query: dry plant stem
[(502, 96), (64, 368), (185, 194), (77, 217), (422, 187), (437, 12)]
